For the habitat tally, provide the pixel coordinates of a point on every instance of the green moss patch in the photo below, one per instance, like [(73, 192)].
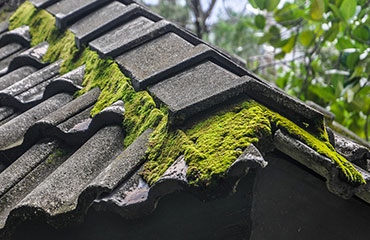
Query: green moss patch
[(210, 147), (141, 112), (42, 28)]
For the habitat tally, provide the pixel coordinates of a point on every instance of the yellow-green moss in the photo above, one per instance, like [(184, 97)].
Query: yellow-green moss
[(56, 154), (210, 147), (140, 109), (141, 112), (320, 144), (42, 28)]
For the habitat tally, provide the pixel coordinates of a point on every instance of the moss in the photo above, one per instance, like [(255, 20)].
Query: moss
[(211, 146), (141, 111), (319, 143), (22, 16), (42, 28), (165, 146), (55, 155)]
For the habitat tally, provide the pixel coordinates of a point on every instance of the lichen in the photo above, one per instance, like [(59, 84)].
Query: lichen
[(212, 146)]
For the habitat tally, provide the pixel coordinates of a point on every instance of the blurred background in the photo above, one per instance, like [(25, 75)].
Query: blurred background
[(315, 50)]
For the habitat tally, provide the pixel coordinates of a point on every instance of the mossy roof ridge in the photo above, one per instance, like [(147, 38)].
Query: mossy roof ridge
[(209, 147)]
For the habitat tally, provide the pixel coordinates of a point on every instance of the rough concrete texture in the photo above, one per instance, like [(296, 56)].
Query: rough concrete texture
[(124, 165), (14, 130), (134, 198), (352, 151), (31, 57), (98, 22), (9, 49), (41, 168), (4, 26), (250, 158), (141, 64), (122, 38), (19, 35), (58, 197), (15, 76), (28, 161), (5, 63), (26, 90), (5, 113), (66, 11), (197, 89), (43, 3)]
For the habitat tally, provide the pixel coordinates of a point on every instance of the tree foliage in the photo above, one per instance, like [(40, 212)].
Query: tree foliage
[(327, 43)]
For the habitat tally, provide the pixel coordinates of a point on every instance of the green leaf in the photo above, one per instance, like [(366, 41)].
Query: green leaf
[(317, 9), (332, 33), (260, 21), (253, 3), (343, 43), (275, 35), (324, 92), (265, 38), (260, 4), (357, 72), (335, 10), (348, 8), (362, 32), (288, 15), (306, 37), (280, 55), (352, 60), (290, 45), (270, 5)]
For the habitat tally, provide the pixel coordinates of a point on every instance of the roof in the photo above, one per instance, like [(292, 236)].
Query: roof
[(57, 159)]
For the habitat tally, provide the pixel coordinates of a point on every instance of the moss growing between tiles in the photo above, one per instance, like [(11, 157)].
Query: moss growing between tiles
[(141, 111), (210, 147), (42, 28)]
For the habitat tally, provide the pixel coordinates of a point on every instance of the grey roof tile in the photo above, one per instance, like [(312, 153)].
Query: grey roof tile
[(9, 49), (62, 191), (4, 26), (98, 22), (14, 130), (43, 3), (66, 11), (15, 76), (38, 181), (117, 17), (122, 38), (187, 93), (30, 57), (19, 35)]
